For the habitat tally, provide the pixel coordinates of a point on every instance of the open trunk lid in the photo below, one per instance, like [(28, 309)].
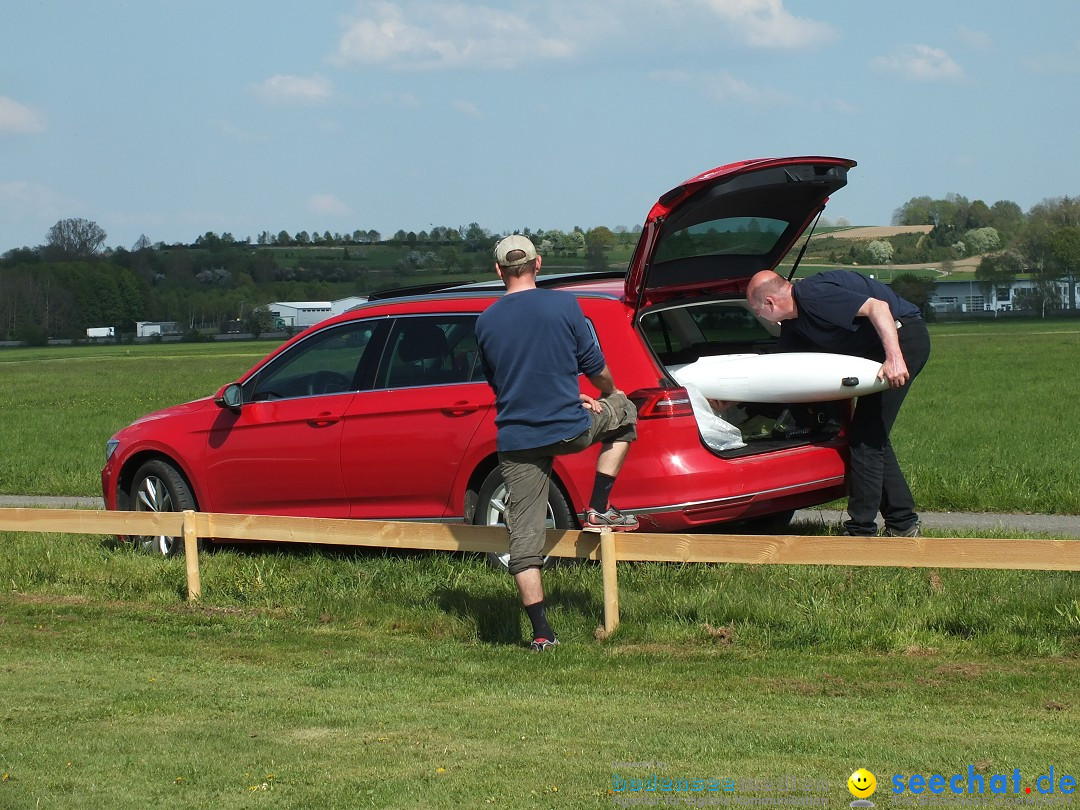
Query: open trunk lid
[(713, 232)]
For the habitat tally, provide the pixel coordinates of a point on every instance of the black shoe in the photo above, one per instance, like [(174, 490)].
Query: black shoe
[(846, 533), (914, 531)]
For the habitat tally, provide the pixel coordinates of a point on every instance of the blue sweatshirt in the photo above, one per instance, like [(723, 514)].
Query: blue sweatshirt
[(533, 344)]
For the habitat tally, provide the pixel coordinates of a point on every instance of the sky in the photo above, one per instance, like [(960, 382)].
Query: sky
[(172, 118)]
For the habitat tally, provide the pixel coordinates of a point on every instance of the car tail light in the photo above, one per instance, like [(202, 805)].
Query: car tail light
[(661, 403)]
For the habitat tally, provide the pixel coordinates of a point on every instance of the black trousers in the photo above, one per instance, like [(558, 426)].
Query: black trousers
[(876, 481)]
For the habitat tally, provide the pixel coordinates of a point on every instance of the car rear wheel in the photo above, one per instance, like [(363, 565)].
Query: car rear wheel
[(491, 511), (776, 523), (159, 487)]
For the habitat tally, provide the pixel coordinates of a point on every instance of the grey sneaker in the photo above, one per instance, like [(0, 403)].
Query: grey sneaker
[(540, 645), (611, 519), (914, 531)]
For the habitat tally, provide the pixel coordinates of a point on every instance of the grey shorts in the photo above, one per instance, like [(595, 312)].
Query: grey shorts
[(527, 474)]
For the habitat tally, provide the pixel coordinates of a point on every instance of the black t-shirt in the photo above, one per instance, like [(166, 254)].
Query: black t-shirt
[(827, 304)]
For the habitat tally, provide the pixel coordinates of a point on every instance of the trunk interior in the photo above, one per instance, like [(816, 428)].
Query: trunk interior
[(683, 332)]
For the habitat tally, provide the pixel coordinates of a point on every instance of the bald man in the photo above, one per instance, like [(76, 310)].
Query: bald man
[(844, 312)]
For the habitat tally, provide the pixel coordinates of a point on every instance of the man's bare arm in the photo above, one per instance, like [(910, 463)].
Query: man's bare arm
[(894, 369)]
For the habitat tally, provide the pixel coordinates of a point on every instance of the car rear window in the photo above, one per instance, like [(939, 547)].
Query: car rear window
[(431, 350), (741, 236)]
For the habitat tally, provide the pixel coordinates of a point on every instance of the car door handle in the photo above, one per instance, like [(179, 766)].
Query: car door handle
[(461, 408), (324, 419)]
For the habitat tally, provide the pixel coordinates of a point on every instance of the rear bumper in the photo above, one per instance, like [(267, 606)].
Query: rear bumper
[(692, 514), (671, 482)]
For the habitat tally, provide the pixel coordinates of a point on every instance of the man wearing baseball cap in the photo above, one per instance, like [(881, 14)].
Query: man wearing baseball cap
[(533, 344)]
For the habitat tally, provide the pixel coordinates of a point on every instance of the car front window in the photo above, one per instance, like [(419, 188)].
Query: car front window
[(328, 362)]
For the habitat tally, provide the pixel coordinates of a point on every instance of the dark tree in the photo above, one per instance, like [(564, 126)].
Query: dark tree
[(915, 289), (74, 239)]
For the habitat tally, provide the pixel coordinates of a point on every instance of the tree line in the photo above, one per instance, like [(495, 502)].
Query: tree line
[(1042, 245), (72, 281)]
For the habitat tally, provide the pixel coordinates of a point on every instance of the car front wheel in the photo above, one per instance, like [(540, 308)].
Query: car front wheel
[(491, 511), (159, 487)]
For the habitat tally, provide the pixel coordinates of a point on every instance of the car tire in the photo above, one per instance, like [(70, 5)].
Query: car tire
[(159, 487), (776, 523), (491, 508)]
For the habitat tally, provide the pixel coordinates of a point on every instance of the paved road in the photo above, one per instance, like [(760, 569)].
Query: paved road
[(1063, 525)]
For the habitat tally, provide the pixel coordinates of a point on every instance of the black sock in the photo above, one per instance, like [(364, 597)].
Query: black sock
[(601, 491), (541, 628)]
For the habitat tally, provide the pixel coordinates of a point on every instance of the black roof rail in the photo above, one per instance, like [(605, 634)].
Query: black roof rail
[(415, 289), (468, 285), (586, 275)]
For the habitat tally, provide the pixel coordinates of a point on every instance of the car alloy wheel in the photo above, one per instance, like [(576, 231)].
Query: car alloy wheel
[(159, 487)]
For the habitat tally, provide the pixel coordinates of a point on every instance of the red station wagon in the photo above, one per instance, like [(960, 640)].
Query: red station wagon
[(383, 412)]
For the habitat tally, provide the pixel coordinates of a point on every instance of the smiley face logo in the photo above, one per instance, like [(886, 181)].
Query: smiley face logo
[(862, 784)]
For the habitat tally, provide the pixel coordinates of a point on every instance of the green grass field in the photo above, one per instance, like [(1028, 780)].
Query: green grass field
[(990, 424), (312, 677)]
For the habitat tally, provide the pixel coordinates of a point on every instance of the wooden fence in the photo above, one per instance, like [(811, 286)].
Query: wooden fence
[(608, 547)]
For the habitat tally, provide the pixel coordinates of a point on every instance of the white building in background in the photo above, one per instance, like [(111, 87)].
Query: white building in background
[(101, 332), (152, 328), (302, 314), (977, 296), (345, 304)]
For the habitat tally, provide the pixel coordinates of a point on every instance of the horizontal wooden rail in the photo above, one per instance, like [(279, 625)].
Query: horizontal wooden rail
[(906, 552), (87, 521)]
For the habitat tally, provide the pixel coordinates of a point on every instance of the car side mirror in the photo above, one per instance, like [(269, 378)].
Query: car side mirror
[(231, 397)]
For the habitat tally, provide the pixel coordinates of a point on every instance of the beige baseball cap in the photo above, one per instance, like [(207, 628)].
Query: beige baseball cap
[(508, 246)]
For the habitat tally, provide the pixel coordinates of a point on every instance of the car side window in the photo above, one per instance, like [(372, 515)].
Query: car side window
[(431, 350), (682, 334), (328, 362)]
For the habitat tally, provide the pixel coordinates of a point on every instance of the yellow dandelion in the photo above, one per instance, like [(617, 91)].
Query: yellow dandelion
[(440, 770)]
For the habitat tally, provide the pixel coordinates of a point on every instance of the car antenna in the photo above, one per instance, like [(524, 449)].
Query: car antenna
[(805, 243)]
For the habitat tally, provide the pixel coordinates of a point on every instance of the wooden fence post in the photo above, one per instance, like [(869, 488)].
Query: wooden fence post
[(191, 556), (611, 580)]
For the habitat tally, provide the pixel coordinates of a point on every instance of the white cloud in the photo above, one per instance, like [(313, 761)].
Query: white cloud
[(467, 108), (920, 63), (723, 87), (1063, 64), (978, 40), (19, 119), (231, 130), (328, 205), (767, 24), (835, 105), (434, 35), (405, 100), (281, 89)]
